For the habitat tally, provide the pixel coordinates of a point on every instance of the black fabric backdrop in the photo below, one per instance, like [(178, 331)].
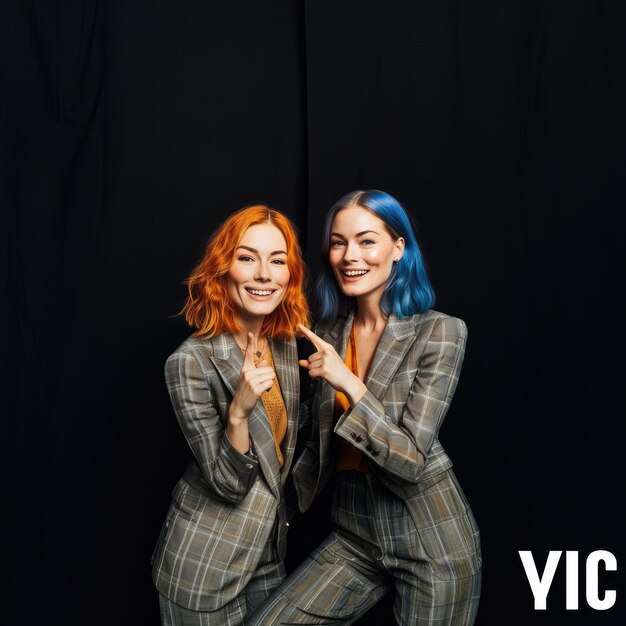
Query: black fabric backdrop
[(130, 130)]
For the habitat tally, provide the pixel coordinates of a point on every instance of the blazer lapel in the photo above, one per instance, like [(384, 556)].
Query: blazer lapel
[(338, 337), (285, 356), (397, 338), (263, 440), (228, 359)]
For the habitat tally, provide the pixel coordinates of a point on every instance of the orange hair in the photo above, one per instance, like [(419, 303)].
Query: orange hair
[(208, 306)]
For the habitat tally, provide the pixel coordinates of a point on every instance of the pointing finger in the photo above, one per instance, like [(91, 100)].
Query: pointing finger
[(319, 343), (249, 350)]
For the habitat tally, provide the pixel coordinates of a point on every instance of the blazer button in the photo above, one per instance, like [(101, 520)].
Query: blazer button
[(375, 452), (358, 439), (368, 447), (377, 553), (353, 435)]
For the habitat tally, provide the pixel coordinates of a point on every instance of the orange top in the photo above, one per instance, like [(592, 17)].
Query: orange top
[(275, 406), (350, 457)]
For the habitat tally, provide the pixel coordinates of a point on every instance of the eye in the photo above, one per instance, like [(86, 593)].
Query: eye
[(367, 242), (337, 243), (245, 258), (279, 262)]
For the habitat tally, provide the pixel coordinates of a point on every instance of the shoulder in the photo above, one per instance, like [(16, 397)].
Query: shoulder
[(435, 323), (193, 349), (193, 344)]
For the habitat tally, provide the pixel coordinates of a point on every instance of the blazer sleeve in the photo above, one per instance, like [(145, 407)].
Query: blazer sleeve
[(229, 474), (401, 449)]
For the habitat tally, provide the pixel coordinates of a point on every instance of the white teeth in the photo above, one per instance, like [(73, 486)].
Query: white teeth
[(354, 272), (259, 292)]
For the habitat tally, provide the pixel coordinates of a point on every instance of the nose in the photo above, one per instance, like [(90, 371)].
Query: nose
[(262, 273), (351, 253)]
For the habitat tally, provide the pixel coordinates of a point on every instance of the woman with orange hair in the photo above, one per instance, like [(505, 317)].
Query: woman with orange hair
[(234, 385)]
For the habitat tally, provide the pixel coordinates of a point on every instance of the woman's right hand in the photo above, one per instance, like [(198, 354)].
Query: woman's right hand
[(253, 381), (329, 366)]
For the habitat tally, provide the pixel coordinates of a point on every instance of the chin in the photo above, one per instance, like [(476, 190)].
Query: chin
[(353, 291), (260, 310)]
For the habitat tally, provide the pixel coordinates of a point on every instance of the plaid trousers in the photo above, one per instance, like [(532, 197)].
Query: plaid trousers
[(376, 546)]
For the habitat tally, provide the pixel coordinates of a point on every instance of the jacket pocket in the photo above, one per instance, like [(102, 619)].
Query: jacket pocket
[(447, 530), (163, 534)]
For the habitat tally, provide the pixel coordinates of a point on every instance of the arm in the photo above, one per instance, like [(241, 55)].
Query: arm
[(229, 473), (402, 449)]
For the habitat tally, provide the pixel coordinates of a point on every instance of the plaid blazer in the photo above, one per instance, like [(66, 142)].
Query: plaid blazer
[(410, 385), (225, 507)]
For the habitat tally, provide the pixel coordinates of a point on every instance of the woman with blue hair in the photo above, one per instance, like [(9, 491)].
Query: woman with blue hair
[(385, 369)]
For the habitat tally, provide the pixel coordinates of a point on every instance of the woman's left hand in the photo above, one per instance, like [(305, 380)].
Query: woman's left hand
[(327, 364)]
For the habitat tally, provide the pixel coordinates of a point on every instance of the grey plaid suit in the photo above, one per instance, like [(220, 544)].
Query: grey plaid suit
[(227, 514), (405, 523)]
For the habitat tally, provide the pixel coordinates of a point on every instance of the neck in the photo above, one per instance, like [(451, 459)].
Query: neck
[(248, 324), (368, 314)]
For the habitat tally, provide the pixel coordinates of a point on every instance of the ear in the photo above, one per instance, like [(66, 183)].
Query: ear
[(399, 249)]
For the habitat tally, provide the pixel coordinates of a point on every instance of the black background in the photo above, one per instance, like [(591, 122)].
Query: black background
[(131, 129)]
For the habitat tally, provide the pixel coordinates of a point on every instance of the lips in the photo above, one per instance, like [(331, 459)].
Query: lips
[(260, 293), (352, 275), (354, 272)]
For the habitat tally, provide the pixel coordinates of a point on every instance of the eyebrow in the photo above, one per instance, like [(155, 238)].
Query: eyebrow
[(257, 252), (363, 232)]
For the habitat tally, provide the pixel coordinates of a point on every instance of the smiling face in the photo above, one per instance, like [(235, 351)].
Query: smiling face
[(362, 253), (258, 277)]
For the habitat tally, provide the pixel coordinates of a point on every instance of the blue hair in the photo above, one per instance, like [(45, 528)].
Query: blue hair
[(408, 289)]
